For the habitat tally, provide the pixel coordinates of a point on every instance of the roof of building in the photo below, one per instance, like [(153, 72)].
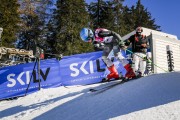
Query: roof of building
[(147, 32)]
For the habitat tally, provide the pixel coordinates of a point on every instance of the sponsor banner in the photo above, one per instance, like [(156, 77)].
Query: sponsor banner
[(86, 68), (82, 69), (14, 80), (78, 69)]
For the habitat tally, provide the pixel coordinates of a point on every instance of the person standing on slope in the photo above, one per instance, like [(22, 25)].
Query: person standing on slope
[(108, 40), (139, 48)]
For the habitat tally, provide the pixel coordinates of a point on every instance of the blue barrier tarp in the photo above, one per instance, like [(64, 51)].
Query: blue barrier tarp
[(15, 79), (78, 69)]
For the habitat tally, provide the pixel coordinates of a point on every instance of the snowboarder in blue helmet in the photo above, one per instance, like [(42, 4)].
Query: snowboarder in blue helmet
[(107, 41)]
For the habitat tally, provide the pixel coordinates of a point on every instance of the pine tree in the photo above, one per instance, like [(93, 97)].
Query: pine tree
[(118, 23), (50, 33), (33, 15), (101, 14), (107, 14), (9, 19), (139, 16), (128, 20), (70, 17)]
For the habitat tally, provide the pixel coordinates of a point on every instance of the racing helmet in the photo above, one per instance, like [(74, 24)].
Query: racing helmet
[(86, 34)]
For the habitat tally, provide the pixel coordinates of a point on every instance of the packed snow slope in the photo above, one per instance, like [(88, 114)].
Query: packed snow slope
[(155, 97)]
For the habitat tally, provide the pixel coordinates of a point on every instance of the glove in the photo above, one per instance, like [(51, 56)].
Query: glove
[(144, 45), (123, 47), (99, 45), (144, 50), (121, 43), (145, 58)]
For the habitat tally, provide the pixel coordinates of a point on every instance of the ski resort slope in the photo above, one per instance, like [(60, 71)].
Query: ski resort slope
[(155, 97)]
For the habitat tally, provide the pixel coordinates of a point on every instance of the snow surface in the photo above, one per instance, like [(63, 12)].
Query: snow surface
[(155, 97)]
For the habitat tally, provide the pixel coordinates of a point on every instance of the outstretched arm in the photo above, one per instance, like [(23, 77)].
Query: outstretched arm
[(110, 33)]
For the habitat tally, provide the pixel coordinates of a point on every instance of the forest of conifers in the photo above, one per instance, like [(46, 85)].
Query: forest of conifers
[(55, 25)]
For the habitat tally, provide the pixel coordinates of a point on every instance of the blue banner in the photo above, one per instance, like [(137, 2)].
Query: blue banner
[(78, 69), (15, 79), (82, 69)]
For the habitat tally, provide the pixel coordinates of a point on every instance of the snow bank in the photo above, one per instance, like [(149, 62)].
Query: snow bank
[(152, 97)]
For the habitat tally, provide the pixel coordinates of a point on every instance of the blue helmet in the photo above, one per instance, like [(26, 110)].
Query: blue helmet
[(86, 34)]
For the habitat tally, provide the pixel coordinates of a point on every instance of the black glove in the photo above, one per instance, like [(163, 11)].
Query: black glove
[(98, 45), (121, 43), (145, 58)]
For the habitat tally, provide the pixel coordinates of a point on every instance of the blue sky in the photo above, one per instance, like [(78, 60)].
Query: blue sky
[(166, 13)]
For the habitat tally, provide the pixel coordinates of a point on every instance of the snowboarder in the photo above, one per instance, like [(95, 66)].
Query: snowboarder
[(139, 48), (108, 40)]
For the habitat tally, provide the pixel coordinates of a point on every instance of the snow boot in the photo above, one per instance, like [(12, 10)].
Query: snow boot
[(113, 74), (139, 74), (129, 72)]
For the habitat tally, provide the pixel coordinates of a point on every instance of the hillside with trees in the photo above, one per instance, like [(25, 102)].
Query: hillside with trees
[(55, 25)]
